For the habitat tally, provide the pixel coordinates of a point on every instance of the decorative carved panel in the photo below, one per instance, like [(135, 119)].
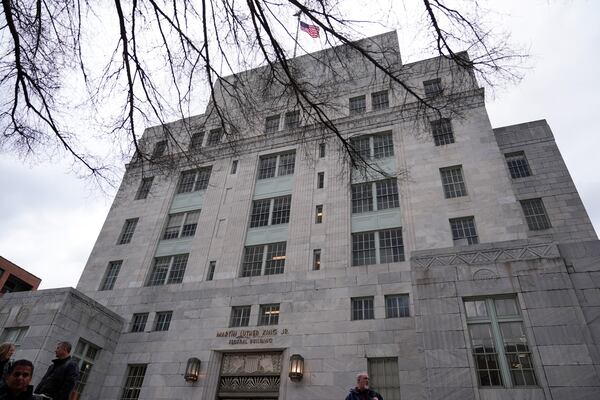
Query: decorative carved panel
[(250, 373), (488, 256), (249, 384), (251, 363)]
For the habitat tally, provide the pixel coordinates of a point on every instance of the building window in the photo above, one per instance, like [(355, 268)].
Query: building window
[(211, 270), (134, 381), (535, 214), (181, 225), (396, 306), (234, 167), (276, 165), (357, 105), (517, 164), (320, 180), (380, 100), (84, 355), (110, 276), (380, 145), (194, 180), (159, 149), (442, 132), (384, 376), (196, 141), (386, 193), (433, 87), (272, 124), (240, 316), (391, 247), (127, 231), (463, 231), (268, 314), (264, 259), (316, 264), (321, 150), (383, 146), (319, 214), (214, 137), (362, 145), (377, 247), (362, 197), (14, 335), (138, 322), (167, 270), (363, 248), (162, 320), (270, 211), (453, 182), (362, 308), (292, 119), (144, 188), (498, 342), (275, 260)]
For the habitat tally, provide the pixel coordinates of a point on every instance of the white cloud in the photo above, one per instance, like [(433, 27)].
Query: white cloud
[(50, 221)]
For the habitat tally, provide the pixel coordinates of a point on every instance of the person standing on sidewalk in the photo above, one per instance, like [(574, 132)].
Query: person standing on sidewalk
[(59, 380), (362, 390)]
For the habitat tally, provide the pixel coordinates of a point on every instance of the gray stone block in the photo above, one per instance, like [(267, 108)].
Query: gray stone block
[(572, 375), (452, 393), (561, 334), (569, 393), (550, 298), (446, 358), (565, 354), (554, 316), (444, 340), (449, 377)]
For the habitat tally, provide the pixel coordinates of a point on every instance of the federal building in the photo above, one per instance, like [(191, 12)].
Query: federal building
[(454, 260)]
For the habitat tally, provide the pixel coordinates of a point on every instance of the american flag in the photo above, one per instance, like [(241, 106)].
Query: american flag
[(312, 30)]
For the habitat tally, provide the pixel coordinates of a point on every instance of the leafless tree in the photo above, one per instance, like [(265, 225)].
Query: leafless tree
[(163, 51)]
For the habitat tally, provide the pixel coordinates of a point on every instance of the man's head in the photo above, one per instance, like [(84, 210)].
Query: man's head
[(63, 349), (362, 381), (18, 375)]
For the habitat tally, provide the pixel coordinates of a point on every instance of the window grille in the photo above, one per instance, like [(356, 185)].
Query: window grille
[(463, 231), (535, 214), (110, 277), (362, 308), (453, 182)]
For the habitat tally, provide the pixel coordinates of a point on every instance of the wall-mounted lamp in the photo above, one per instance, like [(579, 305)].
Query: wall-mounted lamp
[(192, 370), (296, 367)]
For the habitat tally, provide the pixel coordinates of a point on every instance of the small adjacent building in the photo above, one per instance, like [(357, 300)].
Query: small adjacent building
[(15, 279)]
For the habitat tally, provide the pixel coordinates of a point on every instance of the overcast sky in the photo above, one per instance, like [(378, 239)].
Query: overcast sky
[(50, 219)]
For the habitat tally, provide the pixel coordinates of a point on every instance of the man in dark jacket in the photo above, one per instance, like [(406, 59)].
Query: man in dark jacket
[(59, 380), (15, 383), (362, 391)]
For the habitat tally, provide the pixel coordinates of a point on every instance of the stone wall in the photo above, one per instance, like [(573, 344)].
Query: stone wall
[(556, 327), (55, 315), (549, 180)]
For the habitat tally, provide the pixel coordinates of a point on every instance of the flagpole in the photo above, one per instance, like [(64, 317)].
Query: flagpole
[(297, 28)]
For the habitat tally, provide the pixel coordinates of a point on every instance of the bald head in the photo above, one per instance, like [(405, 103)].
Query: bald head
[(362, 381)]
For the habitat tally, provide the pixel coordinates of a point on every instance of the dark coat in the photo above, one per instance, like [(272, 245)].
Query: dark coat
[(368, 394), (5, 394), (2, 365), (59, 380)]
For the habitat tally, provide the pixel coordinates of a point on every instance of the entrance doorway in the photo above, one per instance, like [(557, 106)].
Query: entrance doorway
[(250, 376)]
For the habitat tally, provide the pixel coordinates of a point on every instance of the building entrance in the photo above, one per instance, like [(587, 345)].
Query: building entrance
[(250, 376)]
